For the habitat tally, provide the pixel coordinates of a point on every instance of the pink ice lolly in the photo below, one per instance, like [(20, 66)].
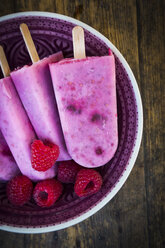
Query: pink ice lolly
[(34, 86), (17, 131), (85, 91), (8, 167)]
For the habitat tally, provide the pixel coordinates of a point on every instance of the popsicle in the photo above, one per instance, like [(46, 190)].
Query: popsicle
[(8, 167), (16, 127), (85, 90), (34, 86)]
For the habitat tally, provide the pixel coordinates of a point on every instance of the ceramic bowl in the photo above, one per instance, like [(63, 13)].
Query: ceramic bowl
[(51, 33)]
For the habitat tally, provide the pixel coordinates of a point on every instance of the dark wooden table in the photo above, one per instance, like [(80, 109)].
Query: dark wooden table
[(135, 216)]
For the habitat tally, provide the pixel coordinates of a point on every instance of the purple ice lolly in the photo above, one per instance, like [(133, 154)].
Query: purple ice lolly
[(8, 166), (18, 131), (85, 91), (34, 86)]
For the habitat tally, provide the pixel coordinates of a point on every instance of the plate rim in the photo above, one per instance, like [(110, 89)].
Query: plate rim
[(137, 141)]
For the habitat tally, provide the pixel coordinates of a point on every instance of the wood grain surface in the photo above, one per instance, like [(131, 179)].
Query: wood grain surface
[(135, 217)]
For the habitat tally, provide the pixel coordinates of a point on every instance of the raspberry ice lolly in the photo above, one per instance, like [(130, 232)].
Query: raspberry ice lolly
[(17, 129), (34, 87), (8, 167), (85, 91)]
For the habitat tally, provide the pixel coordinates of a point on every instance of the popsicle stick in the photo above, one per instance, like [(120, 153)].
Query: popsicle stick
[(4, 64), (29, 43), (78, 42)]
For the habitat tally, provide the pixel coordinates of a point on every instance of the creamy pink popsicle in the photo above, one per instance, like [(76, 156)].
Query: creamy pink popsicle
[(8, 167), (85, 91), (18, 131), (34, 86)]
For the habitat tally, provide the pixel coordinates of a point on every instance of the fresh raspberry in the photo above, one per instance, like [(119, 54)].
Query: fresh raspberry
[(19, 190), (47, 192), (43, 156), (67, 171), (88, 182)]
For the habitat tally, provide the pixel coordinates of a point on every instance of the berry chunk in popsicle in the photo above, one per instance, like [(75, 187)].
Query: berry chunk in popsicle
[(16, 127), (85, 90), (34, 87)]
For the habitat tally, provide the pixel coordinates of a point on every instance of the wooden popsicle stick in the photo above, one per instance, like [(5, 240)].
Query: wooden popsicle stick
[(78, 42), (29, 42), (4, 64)]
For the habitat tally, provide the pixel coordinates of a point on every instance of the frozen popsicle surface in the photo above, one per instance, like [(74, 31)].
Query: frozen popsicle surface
[(8, 167), (34, 86), (86, 97), (18, 131)]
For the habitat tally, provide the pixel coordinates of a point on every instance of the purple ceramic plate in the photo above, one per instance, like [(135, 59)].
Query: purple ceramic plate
[(52, 33)]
